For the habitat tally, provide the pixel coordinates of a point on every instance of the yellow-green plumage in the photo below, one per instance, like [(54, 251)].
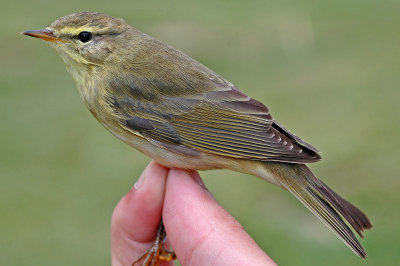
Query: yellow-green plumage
[(180, 113)]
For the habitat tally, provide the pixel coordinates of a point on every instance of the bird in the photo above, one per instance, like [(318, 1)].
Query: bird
[(175, 110)]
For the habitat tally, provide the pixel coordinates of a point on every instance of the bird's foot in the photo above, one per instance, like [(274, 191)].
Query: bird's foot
[(157, 252)]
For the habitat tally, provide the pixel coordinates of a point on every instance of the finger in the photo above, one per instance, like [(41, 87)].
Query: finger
[(137, 216), (200, 230)]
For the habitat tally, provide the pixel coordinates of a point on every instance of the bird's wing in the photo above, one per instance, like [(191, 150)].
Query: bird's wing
[(219, 120)]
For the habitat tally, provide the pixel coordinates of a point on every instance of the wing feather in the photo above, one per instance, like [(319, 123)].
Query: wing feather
[(219, 120)]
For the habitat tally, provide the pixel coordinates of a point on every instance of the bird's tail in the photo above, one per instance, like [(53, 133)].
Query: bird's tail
[(323, 202)]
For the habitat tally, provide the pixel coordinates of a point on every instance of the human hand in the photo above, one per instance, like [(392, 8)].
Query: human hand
[(198, 228)]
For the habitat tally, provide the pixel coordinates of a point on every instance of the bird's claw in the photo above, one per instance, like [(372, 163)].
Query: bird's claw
[(157, 252)]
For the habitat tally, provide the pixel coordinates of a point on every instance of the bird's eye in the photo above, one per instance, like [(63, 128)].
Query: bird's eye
[(85, 36)]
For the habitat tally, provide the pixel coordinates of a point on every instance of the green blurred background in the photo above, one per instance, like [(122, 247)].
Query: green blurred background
[(328, 70)]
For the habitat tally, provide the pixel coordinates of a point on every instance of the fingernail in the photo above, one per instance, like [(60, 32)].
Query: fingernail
[(140, 181), (198, 179)]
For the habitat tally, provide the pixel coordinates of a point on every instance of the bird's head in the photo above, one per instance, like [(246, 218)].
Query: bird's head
[(86, 38)]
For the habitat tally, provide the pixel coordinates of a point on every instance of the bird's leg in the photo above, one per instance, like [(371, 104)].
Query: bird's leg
[(157, 252)]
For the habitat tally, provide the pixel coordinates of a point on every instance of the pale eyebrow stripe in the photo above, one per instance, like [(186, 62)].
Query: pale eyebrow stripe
[(71, 31)]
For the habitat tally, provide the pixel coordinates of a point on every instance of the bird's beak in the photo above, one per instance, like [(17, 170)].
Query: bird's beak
[(46, 34)]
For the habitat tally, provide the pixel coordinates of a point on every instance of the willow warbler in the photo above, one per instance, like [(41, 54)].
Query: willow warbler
[(180, 113)]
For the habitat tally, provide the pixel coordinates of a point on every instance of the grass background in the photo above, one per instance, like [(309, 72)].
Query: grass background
[(328, 70)]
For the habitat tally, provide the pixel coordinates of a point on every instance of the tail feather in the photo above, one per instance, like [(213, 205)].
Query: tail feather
[(323, 202), (358, 220)]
